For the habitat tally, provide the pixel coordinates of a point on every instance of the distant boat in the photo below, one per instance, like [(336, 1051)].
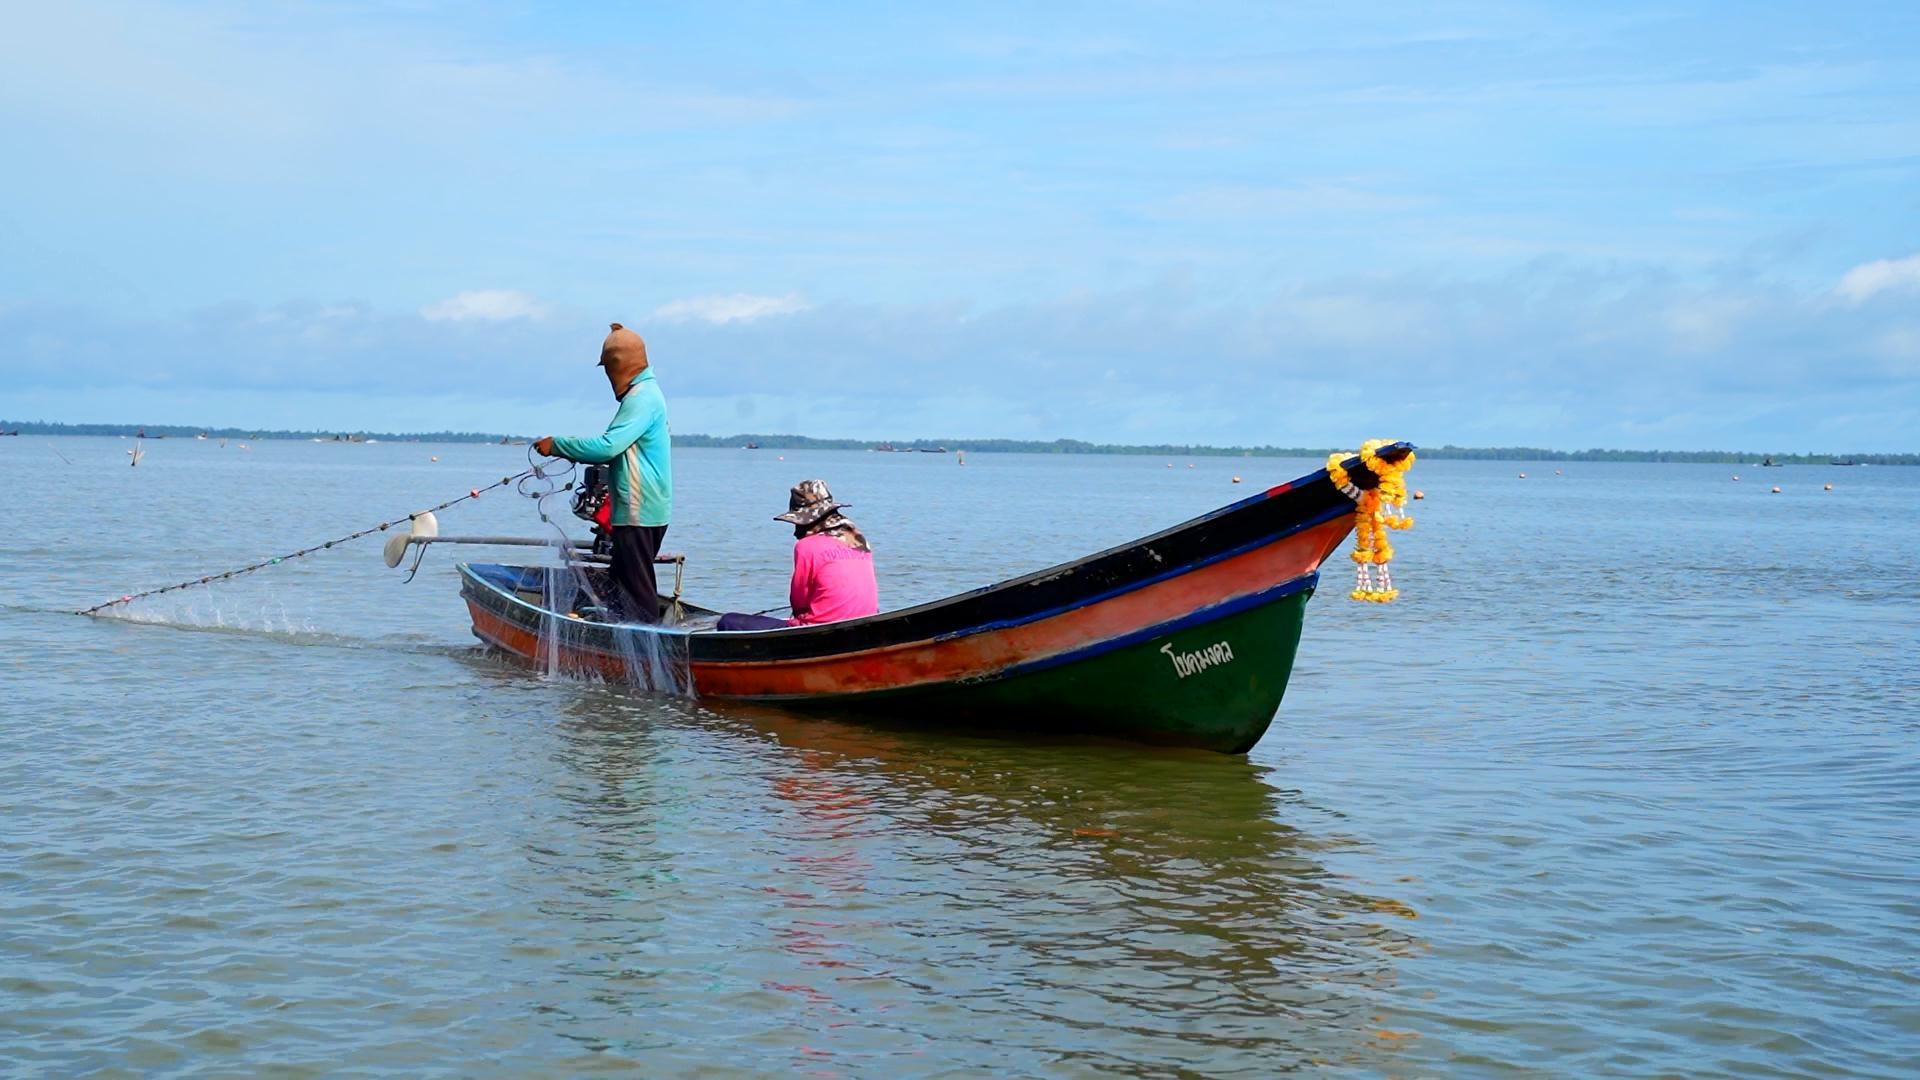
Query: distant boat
[(931, 449), (1835, 461), (202, 436), (885, 448), (1769, 463), (4, 434), (751, 446)]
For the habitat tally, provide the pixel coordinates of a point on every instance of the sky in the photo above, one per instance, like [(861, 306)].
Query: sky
[(1573, 225)]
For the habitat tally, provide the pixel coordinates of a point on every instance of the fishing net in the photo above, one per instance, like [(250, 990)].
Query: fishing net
[(581, 630), (582, 633)]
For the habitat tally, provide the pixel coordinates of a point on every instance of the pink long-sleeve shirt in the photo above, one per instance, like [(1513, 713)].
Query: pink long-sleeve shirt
[(831, 582)]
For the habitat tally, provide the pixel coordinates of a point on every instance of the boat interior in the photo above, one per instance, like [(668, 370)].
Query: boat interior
[(529, 585)]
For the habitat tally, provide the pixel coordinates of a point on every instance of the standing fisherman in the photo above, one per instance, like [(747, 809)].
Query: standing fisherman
[(635, 446)]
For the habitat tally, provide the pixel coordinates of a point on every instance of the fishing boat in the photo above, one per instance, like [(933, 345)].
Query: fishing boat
[(1185, 637)]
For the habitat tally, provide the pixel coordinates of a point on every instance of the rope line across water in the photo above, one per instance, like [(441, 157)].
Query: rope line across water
[(305, 551)]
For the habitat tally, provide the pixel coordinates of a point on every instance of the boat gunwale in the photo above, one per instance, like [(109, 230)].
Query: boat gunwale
[(826, 636), (474, 572), (1200, 616)]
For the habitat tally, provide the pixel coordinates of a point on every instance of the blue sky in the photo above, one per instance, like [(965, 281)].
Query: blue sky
[(1567, 225)]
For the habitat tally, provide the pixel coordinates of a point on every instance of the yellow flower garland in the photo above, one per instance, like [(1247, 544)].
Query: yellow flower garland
[(1375, 511)]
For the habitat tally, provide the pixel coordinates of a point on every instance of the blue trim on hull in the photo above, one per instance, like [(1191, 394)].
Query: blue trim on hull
[(1201, 617), (1141, 583), (479, 572)]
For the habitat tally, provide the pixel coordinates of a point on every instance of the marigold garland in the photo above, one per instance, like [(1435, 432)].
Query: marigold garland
[(1375, 511)]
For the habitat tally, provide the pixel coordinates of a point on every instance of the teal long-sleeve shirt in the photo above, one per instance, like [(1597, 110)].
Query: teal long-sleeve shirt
[(637, 448)]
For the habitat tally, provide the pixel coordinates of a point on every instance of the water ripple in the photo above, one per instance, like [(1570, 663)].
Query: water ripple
[(1630, 793)]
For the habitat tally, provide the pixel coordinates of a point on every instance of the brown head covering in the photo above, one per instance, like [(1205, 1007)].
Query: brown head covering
[(624, 356), (811, 508)]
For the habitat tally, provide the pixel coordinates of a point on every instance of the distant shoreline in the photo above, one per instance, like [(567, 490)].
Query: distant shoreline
[(993, 446)]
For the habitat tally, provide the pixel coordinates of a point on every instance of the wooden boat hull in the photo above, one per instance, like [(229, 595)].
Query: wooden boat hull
[(1130, 689), (1186, 637)]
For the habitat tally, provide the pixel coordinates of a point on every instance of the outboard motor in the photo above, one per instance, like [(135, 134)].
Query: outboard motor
[(593, 502)]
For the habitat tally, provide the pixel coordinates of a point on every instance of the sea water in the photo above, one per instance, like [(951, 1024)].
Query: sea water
[(1628, 782)]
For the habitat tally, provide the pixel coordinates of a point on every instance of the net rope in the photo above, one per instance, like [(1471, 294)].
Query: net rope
[(538, 471)]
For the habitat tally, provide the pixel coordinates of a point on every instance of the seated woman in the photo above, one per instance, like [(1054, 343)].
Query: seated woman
[(832, 565)]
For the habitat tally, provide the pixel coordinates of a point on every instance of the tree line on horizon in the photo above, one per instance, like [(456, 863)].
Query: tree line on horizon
[(998, 446)]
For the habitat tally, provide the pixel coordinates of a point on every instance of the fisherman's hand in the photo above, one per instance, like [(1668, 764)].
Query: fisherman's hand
[(544, 446)]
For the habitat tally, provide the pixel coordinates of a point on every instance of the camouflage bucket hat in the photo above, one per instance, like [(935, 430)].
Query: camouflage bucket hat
[(808, 502)]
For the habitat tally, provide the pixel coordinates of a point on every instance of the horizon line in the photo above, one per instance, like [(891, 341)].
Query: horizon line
[(989, 445)]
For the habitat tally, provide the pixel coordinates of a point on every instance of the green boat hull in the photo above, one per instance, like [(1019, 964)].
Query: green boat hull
[(1135, 690)]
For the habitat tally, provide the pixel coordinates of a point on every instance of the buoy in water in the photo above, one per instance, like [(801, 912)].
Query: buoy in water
[(1236, 479), (435, 457), (1418, 494), (1523, 476), (1556, 472), (1829, 487), (1736, 478), (1776, 489)]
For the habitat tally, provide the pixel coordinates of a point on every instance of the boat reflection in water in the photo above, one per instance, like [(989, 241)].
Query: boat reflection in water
[(758, 890)]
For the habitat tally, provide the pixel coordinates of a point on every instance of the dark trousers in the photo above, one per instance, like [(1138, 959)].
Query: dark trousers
[(634, 547), (734, 620)]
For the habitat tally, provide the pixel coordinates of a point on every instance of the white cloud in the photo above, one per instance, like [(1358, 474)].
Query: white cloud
[(1561, 354), (737, 307), (1705, 324), (486, 305), (1864, 282)]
